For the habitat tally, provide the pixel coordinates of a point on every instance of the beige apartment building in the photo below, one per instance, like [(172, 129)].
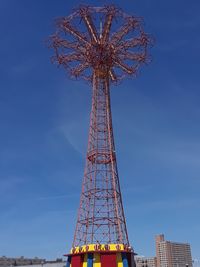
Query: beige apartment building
[(145, 261), (172, 254)]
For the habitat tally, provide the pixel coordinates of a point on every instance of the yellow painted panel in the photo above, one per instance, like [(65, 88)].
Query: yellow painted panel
[(85, 260), (97, 262), (119, 260)]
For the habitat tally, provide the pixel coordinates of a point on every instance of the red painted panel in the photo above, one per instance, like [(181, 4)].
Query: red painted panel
[(108, 260), (76, 261)]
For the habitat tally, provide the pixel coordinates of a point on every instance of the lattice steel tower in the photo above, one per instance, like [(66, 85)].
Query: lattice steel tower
[(102, 45)]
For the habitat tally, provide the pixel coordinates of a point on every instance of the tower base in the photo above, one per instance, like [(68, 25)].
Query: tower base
[(110, 255)]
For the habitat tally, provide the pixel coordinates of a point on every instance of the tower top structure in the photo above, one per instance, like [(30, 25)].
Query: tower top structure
[(101, 39)]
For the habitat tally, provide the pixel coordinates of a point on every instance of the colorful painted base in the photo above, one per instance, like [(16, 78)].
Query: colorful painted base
[(111, 255)]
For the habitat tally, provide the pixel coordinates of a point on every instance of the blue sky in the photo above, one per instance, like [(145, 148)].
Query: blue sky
[(44, 120)]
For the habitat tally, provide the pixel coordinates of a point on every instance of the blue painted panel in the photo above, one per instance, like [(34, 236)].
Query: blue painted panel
[(68, 261), (124, 259), (90, 260)]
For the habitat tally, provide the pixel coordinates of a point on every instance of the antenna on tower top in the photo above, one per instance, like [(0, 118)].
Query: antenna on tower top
[(101, 28)]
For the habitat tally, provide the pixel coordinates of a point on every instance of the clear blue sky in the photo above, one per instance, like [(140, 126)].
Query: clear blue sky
[(44, 124)]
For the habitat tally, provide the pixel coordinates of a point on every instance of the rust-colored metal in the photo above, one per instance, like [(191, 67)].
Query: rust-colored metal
[(86, 47)]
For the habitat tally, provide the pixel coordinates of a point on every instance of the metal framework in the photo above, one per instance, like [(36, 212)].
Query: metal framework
[(102, 45)]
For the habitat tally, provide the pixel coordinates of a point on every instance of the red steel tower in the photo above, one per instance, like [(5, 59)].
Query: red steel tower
[(102, 45)]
